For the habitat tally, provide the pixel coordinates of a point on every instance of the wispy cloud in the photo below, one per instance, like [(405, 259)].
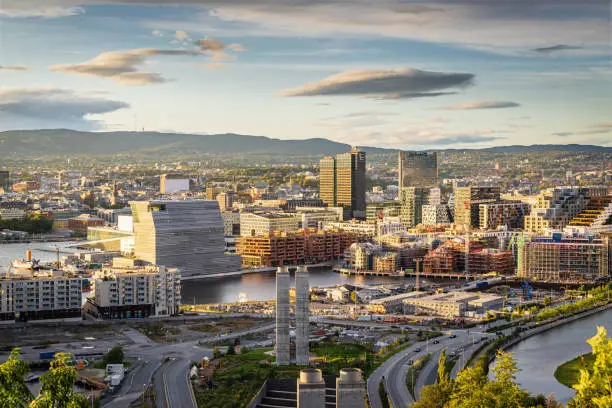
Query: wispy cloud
[(401, 83), (483, 105), (13, 68), (556, 48), (52, 106), (597, 129), (123, 67)]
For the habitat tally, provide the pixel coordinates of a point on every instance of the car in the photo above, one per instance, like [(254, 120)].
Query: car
[(452, 336), (410, 362), (417, 350), (452, 353), (436, 341)]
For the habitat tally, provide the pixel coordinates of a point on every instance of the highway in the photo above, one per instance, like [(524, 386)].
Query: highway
[(395, 368)]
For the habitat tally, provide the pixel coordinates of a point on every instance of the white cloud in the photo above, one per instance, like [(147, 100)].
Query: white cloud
[(13, 68), (473, 105), (181, 35)]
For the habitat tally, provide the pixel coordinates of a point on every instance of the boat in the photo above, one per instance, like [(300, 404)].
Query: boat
[(25, 264)]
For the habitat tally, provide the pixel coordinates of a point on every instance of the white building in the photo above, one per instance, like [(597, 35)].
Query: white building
[(128, 290), (40, 297), (254, 224), (173, 183)]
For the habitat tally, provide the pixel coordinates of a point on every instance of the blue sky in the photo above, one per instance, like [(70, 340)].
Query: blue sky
[(392, 73)]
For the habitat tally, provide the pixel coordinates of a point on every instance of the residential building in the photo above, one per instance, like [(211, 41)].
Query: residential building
[(40, 296), (342, 183), (412, 200), (418, 169), (555, 208), (129, 290), (292, 248), (173, 183), (510, 214), (259, 223), (184, 234), (434, 214), (565, 258), (467, 202), (360, 256)]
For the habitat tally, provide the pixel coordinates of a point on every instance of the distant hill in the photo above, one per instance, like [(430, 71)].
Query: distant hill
[(66, 142), (61, 142)]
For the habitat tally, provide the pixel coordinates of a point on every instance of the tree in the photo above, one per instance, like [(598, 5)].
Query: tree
[(13, 391), (114, 356), (437, 395), (58, 386), (231, 350), (594, 389)]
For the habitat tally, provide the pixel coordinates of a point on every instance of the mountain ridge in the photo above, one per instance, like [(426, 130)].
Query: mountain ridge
[(53, 142)]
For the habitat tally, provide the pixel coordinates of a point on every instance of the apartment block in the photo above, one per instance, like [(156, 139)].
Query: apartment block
[(259, 223), (467, 202), (133, 291), (510, 214), (40, 297), (434, 214)]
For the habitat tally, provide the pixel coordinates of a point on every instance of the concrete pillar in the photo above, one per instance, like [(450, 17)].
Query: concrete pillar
[(310, 389), (350, 389), (283, 356), (302, 314)]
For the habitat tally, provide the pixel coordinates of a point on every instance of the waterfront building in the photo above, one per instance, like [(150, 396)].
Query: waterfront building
[(83, 222), (386, 262), (231, 223), (173, 183), (453, 304), (133, 290), (360, 256), (565, 258), (293, 248), (467, 202), (258, 223), (282, 345), (510, 214), (35, 296), (184, 234), (342, 182), (418, 169)]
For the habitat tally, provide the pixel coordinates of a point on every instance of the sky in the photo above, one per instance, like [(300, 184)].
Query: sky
[(389, 73)]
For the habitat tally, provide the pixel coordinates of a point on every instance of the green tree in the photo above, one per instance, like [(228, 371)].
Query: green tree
[(58, 386), (594, 390), (504, 389), (13, 391), (437, 395), (114, 356)]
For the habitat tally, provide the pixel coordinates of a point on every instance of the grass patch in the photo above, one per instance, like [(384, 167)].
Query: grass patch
[(413, 372), (568, 373)]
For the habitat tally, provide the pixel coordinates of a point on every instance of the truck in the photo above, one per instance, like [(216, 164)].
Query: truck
[(47, 355)]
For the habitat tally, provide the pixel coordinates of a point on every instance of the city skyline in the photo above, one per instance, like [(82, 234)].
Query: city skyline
[(408, 75)]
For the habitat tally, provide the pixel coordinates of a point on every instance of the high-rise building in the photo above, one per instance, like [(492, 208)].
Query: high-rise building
[(283, 345), (4, 180), (302, 323), (184, 234), (412, 200), (418, 169), (467, 202), (342, 182), (173, 183)]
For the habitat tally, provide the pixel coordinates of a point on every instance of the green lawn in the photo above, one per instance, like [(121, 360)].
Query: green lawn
[(568, 373)]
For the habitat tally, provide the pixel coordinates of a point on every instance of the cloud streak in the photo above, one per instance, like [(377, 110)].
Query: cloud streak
[(401, 83), (556, 48), (52, 106), (474, 105), (13, 68)]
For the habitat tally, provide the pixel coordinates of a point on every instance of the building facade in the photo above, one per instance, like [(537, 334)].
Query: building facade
[(434, 214), (418, 169), (184, 234), (467, 202), (412, 200), (342, 183), (173, 183), (258, 223), (510, 214)]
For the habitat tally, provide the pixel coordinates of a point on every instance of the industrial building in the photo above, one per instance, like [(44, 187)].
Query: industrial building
[(184, 234), (393, 304), (293, 248), (453, 304), (564, 258), (131, 289), (342, 183), (418, 169)]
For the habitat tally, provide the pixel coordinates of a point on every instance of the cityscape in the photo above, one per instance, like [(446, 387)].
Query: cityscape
[(327, 204)]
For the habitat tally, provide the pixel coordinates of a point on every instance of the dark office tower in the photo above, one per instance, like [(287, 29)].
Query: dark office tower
[(418, 169), (4, 180), (342, 183)]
